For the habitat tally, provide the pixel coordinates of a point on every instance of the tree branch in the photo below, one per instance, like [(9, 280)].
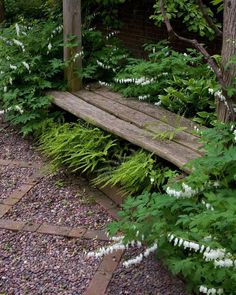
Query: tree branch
[(216, 69), (208, 19), (173, 35)]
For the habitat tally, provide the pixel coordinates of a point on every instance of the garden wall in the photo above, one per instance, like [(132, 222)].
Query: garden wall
[(138, 29)]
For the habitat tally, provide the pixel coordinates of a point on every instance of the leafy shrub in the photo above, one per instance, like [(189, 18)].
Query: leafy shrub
[(31, 9), (180, 82), (194, 222), (30, 63), (103, 55)]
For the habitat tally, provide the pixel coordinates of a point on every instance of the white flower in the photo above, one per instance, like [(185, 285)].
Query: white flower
[(211, 91), (143, 97), (104, 251), (148, 251), (187, 192), (17, 29), (26, 65), (234, 133), (5, 89), (50, 46), (77, 55), (102, 65), (104, 83), (214, 254), (213, 291), (19, 109), (152, 179), (10, 80), (18, 43), (138, 259), (13, 67), (227, 262)]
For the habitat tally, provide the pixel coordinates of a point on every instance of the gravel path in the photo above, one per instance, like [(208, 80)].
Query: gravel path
[(39, 264), (61, 200), (12, 178), (148, 278), (14, 147)]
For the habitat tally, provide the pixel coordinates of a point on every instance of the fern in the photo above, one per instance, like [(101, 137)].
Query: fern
[(77, 146)]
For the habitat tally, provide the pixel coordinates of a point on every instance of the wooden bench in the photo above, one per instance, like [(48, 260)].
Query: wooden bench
[(135, 121)]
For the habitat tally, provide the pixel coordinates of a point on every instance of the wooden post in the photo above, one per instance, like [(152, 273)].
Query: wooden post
[(72, 27)]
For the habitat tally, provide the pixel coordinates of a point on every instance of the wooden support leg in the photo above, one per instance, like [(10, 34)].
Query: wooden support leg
[(72, 29)]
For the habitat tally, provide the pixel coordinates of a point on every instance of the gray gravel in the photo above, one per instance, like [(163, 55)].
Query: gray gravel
[(148, 278), (12, 178), (39, 264), (14, 147), (61, 200)]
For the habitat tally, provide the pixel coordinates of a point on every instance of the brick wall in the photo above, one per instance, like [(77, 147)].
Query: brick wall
[(138, 29)]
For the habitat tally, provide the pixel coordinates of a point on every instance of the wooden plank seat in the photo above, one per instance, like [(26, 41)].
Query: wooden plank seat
[(134, 121)]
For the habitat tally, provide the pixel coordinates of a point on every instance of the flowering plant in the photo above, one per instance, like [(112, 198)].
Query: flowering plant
[(192, 225), (30, 63), (178, 81)]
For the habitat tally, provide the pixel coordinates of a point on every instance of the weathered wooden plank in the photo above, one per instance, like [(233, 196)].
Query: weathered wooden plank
[(138, 118), (72, 27), (170, 151), (156, 112)]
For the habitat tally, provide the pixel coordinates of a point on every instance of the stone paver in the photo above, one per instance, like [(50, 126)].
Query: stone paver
[(77, 233), (56, 230), (11, 224), (18, 194), (31, 227), (96, 234), (4, 209), (100, 281)]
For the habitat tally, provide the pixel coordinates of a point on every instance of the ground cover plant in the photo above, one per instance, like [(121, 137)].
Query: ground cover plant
[(87, 149), (191, 226)]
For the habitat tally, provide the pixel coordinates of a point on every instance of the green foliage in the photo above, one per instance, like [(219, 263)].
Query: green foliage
[(137, 173), (77, 146), (189, 13), (81, 147), (194, 217), (103, 55), (169, 134), (179, 82), (105, 12), (30, 64), (17, 10)]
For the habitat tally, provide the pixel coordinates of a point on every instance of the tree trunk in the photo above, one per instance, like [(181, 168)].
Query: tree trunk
[(2, 11), (228, 50)]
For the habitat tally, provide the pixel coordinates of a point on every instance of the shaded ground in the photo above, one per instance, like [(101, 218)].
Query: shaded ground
[(38, 264)]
